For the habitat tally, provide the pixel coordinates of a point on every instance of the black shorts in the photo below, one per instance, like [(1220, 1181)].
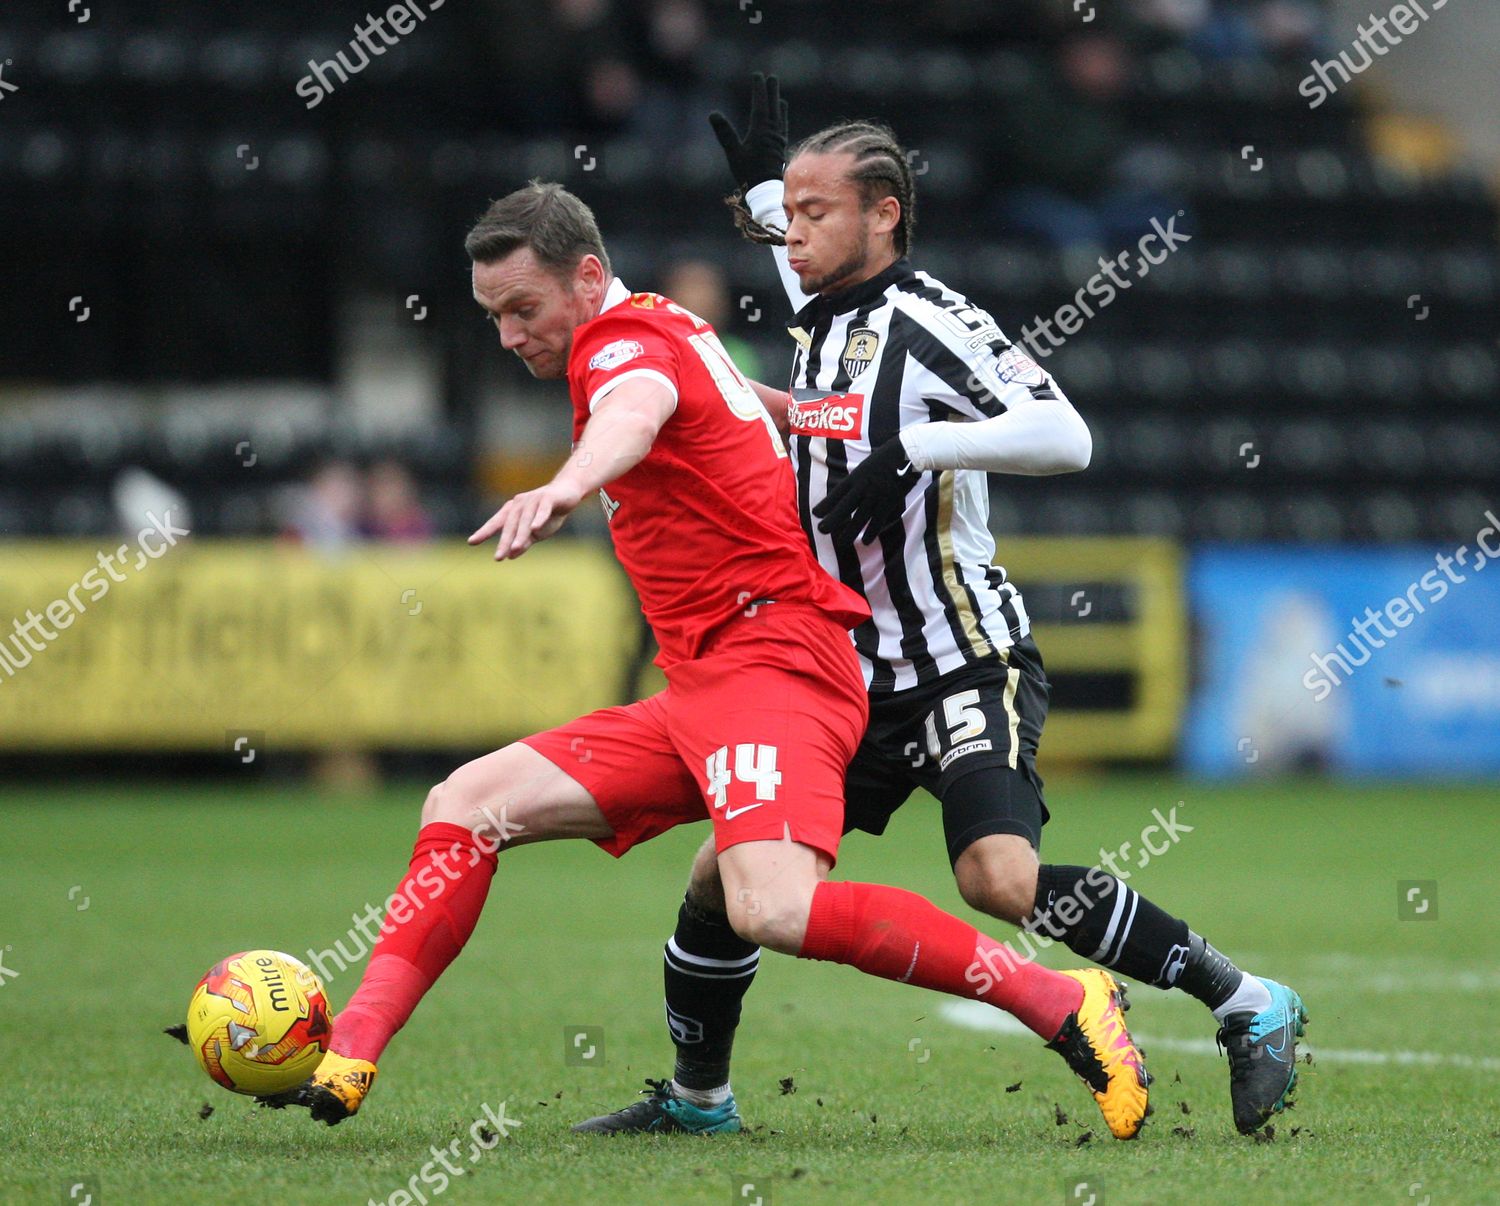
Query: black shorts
[(983, 719)]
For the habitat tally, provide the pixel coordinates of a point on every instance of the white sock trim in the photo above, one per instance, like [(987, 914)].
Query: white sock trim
[(704, 1099), (1250, 997)]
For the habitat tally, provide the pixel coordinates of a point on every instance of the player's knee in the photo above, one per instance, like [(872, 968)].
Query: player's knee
[(997, 882), (772, 930), (438, 804), (455, 802), (775, 920)]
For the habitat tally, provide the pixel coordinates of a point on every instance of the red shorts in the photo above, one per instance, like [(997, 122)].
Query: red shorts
[(755, 734)]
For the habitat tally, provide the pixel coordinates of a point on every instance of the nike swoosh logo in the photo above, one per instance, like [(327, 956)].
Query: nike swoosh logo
[(731, 813), (1279, 1053)]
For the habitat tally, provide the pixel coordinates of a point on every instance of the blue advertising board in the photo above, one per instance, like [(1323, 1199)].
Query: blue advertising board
[(1365, 661)]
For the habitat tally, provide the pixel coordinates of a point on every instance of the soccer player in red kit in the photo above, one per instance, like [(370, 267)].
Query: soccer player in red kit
[(764, 704)]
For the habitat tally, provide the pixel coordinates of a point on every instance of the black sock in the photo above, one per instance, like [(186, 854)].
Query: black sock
[(1116, 926), (707, 969)]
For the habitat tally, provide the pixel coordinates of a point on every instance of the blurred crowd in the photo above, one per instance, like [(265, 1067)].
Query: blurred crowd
[(645, 70), (343, 504), (187, 223), (644, 66)]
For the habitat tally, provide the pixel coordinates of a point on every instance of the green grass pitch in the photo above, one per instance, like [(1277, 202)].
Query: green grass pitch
[(116, 901)]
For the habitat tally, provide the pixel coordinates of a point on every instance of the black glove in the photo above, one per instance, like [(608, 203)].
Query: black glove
[(871, 498), (761, 154)]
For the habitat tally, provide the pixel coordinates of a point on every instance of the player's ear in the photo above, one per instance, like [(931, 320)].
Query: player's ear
[(887, 215), (590, 274)]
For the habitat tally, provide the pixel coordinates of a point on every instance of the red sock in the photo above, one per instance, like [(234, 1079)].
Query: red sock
[(898, 935), (444, 890)]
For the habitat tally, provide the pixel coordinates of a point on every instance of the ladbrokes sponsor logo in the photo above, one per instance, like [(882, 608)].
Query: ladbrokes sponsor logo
[(833, 416)]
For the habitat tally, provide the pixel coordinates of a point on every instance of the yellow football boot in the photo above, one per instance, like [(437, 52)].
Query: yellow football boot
[(334, 1092), (1099, 1049)]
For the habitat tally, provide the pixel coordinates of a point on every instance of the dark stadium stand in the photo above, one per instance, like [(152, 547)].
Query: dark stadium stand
[(1290, 329)]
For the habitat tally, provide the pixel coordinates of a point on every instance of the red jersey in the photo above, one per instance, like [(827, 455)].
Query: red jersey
[(706, 524)]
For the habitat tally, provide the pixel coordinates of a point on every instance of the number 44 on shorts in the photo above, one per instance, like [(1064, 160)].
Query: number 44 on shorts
[(752, 764)]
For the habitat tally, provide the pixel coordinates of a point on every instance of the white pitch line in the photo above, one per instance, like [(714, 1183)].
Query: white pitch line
[(976, 1015)]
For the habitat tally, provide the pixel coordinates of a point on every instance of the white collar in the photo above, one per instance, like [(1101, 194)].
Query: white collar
[(614, 295)]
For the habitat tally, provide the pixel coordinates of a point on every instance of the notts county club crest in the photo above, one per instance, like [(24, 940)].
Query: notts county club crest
[(860, 350)]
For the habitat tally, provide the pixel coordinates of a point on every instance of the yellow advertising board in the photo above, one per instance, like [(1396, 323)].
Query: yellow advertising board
[(1146, 644), (387, 646), (190, 646)]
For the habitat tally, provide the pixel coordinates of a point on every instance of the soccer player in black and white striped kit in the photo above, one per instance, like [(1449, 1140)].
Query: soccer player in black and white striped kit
[(903, 397)]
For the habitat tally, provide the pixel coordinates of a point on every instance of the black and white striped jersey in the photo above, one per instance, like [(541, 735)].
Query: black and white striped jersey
[(894, 351)]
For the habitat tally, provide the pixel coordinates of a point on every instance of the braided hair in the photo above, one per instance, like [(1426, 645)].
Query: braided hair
[(881, 169)]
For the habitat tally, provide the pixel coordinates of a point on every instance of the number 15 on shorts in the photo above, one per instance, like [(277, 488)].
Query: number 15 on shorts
[(754, 764)]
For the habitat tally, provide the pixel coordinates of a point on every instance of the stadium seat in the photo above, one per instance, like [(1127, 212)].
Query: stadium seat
[(1356, 356)]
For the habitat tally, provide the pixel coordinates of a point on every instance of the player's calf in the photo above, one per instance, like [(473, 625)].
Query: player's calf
[(706, 970), (705, 888), (1097, 915), (997, 875), (511, 796)]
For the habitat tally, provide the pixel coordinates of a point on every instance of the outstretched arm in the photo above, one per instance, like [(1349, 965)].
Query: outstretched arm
[(615, 440), (1037, 438)]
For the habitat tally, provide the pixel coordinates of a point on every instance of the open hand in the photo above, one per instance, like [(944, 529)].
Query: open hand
[(760, 154), (528, 518)]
